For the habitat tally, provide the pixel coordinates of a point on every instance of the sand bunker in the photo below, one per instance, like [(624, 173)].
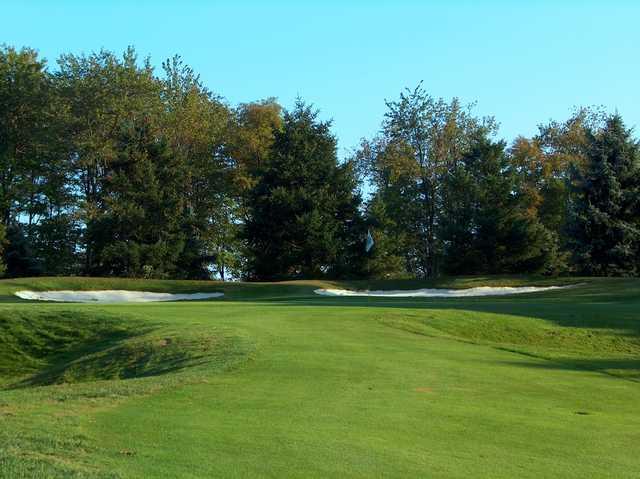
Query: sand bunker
[(441, 293), (111, 296)]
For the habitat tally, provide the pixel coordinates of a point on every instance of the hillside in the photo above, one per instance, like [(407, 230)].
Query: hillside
[(274, 380)]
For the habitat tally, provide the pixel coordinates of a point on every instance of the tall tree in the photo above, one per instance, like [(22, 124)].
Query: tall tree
[(196, 126), (104, 96), (252, 134), (605, 223), (24, 116), (545, 162), (387, 259), (19, 256), (422, 139), (393, 209), (137, 230), (487, 227), (303, 206), (34, 179)]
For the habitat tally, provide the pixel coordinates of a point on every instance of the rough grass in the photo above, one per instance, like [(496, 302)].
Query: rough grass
[(274, 381), (34, 345), (83, 357), (69, 347)]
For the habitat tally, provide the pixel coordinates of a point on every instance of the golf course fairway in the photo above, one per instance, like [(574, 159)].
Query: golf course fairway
[(272, 380)]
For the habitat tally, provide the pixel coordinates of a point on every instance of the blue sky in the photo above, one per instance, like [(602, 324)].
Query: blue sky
[(522, 61)]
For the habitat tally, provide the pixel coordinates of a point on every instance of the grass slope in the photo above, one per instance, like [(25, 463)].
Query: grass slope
[(273, 381)]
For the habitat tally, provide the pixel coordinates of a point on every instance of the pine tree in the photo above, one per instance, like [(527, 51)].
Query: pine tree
[(195, 123), (387, 259), (486, 227), (302, 209), (605, 227), (136, 232), (19, 257)]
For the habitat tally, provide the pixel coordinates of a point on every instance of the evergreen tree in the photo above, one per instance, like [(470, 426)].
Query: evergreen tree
[(107, 168), (388, 258), (136, 231), (486, 227), (54, 242), (605, 226), (195, 124), (19, 256), (544, 164), (302, 209), (394, 208)]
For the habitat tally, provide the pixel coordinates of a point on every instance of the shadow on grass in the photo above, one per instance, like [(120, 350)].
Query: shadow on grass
[(616, 307), (619, 368), (118, 357), (46, 348), (590, 322)]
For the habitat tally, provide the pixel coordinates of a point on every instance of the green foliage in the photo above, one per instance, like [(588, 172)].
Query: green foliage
[(195, 126), (54, 242), (387, 259), (486, 227), (108, 168), (137, 227), (422, 140), (35, 184), (29, 136), (605, 228), (112, 106), (447, 198), (303, 209), (19, 257)]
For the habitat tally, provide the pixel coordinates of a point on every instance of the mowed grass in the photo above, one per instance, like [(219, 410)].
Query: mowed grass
[(273, 381)]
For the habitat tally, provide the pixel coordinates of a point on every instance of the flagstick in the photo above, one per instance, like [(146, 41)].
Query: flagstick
[(368, 247), (369, 280)]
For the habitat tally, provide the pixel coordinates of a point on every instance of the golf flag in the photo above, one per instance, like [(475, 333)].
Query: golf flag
[(369, 243)]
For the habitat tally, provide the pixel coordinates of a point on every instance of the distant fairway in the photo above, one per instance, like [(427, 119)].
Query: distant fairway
[(274, 381)]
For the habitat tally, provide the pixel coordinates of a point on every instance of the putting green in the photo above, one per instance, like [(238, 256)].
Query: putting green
[(273, 381)]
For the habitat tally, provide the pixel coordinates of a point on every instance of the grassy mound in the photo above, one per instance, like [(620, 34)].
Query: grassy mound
[(43, 348), (90, 360), (613, 348)]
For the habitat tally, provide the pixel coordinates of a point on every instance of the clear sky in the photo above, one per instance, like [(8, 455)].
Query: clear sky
[(522, 61)]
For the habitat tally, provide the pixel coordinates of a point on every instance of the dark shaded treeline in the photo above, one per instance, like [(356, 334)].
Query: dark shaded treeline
[(108, 168)]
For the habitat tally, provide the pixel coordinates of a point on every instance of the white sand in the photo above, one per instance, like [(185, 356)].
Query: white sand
[(110, 296), (441, 293)]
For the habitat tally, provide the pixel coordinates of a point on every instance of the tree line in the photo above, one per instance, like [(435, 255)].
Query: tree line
[(108, 168)]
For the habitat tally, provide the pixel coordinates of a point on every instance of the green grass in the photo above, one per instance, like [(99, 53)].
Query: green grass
[(273, 381)]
